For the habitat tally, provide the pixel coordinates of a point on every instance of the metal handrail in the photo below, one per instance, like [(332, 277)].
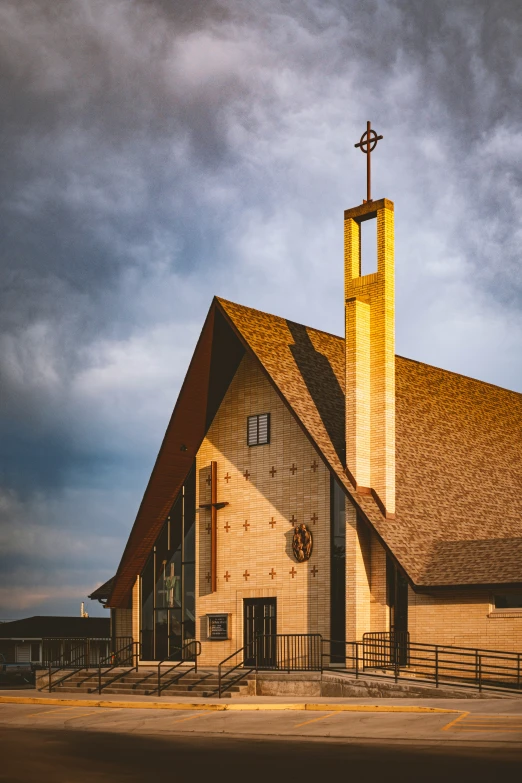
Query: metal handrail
[(179, 663), (68, 665), (233, 669), (133, 655), (464, 666)]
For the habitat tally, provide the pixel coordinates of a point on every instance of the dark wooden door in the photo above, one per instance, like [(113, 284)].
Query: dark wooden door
[(260, 628)]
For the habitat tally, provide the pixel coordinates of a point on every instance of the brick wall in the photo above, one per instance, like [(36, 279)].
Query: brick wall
[(254, 557), (464, 619), (122, 620)]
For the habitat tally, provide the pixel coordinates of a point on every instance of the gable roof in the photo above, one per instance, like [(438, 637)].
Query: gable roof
[(103, 591), (458, 449)]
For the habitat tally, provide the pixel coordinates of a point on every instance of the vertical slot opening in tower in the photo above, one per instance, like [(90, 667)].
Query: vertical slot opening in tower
[(369, 246)]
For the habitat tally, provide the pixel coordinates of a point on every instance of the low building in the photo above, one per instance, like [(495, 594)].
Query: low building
[(31, 639)]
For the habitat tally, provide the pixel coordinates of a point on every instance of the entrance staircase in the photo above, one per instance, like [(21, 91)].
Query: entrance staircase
[(144, 682)]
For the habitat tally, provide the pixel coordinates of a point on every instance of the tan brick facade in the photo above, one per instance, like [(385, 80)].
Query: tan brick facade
[(256, 550), (466, 619)]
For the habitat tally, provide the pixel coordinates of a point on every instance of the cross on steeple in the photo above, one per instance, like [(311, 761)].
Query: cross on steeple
[(214, 506), (368, 143)]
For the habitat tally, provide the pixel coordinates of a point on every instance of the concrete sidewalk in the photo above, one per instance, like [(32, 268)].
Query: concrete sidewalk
[(251, 703)]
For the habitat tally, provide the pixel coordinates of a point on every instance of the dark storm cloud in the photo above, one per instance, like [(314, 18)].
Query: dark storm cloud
[(154, 153)]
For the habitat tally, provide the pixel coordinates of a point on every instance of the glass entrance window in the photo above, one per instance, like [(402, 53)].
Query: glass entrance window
[(168, 593)]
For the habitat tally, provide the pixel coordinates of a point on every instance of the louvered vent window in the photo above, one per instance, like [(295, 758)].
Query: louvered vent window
[(258, 429)]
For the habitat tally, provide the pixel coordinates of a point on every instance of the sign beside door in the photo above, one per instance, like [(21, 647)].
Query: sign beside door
[(217, 627)]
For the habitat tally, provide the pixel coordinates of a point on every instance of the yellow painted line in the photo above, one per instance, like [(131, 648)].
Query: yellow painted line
[(191, 717), (46, 712), (374, 708), (453, 722), (223, 707), (314, 720), (463, 730)]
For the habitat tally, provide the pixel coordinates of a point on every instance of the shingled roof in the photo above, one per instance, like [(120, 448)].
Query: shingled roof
[(458, 450)]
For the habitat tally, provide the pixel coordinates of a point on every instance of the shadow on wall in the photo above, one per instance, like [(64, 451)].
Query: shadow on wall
[(322, 384)]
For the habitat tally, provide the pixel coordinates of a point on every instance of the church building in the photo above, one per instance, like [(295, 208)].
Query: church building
[(310, 484)]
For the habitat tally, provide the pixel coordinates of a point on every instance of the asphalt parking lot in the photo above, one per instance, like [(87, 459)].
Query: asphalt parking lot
[(54, 743)]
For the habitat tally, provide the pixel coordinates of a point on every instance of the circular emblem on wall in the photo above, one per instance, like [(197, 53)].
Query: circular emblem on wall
[(302, 543)]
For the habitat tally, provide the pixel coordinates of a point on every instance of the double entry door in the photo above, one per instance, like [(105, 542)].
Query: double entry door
[(260, 628)]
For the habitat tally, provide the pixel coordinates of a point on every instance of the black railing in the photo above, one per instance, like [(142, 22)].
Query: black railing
[(243, 654), (72, 654), (383, 648), (384, 654), (288, 652), (273, 652), (190, 651), (380, 655), (84, 651), (450, 664), (127, 656)]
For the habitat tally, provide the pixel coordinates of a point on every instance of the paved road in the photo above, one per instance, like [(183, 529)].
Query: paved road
[(67, 756), (86, 744)]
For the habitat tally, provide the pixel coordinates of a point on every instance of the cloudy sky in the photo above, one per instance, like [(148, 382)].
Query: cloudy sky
[(157, 152)]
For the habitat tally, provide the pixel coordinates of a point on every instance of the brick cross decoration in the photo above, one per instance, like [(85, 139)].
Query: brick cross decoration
[(273, 471), (214, 507), (314, 518), (209, 479), (246, 524), (227, 477), (245, 576), (246, 474), (293, 572), (314, 571), (226, 527), (227, 576), (293, 520), (208, 576), (314, 466), (272, 573), (272, 523), (209, 528), (293, 469)]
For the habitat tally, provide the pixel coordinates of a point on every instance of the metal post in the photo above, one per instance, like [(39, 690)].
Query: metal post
[(99, 677), (480, 672), (356, 660), (518, 670), (219, 681), (436, 666), (476, 666), (50, 674)]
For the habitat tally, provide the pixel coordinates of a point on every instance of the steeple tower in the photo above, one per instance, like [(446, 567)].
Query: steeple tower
[(370, 355)]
